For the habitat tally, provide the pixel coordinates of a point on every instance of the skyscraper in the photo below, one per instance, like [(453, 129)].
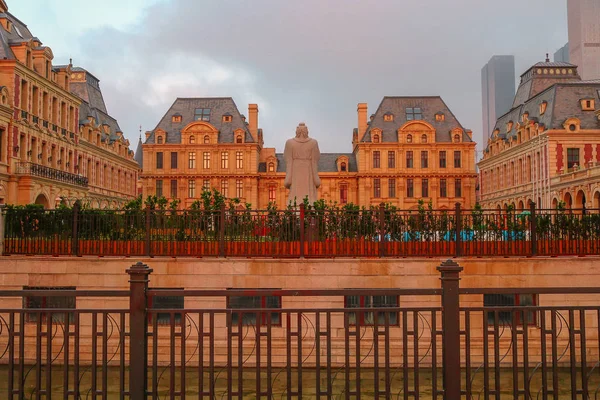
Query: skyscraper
[(562, 54), (584, 37), (498, 90)]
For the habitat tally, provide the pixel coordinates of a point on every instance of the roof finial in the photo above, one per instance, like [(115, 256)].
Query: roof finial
[(547, 58), (140, 132), (71, 62)]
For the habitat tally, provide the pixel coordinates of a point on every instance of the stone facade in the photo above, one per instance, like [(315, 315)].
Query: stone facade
[(57, 141), (546, 149), (411, 148)]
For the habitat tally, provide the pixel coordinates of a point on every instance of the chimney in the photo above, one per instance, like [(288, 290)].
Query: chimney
[(469, 133), (362, 120), (253, 121)]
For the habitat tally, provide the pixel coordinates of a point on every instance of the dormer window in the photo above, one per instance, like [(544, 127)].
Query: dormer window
[(543, 106), (413, 113), (271, 167), (206, 139), (159, 140), (202, 114), (525, 117), (440, 117), (509, 126), (389, 117), (408, 138), (227, 118), (456, 138), (343, 167), (424, 138), (376, 138), (176, 118), (192, 140), (587, 105), (239, 139)]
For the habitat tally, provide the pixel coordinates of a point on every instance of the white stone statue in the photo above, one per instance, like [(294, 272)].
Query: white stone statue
[(301, 156)]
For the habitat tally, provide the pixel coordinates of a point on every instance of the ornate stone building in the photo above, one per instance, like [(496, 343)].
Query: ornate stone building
[(57, 141), (546, 149), (411, 148)]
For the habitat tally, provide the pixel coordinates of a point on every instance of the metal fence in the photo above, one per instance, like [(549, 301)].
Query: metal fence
[(376, 232), (267, 343)]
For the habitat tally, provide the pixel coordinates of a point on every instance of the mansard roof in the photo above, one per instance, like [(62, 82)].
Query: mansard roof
[(219, 106), (327, 162), (398, 105)]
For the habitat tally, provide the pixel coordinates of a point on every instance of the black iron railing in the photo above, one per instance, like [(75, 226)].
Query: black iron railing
[(443, 342), (29, 168), (377, 232)]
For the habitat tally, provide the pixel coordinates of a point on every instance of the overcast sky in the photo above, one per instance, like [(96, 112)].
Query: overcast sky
[(309, 60)]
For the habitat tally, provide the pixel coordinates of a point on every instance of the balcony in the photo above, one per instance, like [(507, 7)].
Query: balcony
[(31, 169)]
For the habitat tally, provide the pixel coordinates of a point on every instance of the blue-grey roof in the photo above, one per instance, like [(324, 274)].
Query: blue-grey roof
[(139, 154), (429, 105), (186, 107), (327, 162)]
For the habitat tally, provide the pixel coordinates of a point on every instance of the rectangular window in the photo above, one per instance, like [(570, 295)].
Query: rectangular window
[(251, 318), (206, 160), (392, 188), (376, 159), (413, 113), (443, 188), (225, 187), (510, 300), (272, 194), (159, 188), (202, 114), (391, 159), (192, 160), (410, 189), (173, 160), (377, 188), (239, 188), (191, 188), (572, 158), (409, 159), (62, 302), (239, 159), (343, 193), (166, 303), (424, 159), (174, 189), (457, 188), (206, 184), (443, 159), (368, 318), (425, 188), (159, 160), (224, 160), (457, 159)]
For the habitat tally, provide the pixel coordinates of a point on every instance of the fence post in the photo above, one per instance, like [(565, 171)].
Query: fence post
[(75, 230), (458, 230), (302, 239), (148, 220), (381, 230), (222, 231), (2, 227), (450, 272), (533, 229), (138, 330)]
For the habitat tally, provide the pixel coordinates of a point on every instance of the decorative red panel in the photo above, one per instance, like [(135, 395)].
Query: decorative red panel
[(559, 157), (587, 153), (17, 95), (15, 141), (598, 152)]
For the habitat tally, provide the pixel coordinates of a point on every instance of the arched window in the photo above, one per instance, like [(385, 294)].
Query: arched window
[(408, 138), (271, 167), (238, 139), (192, 140), (375, 138), (343, 167), (159, 140), (457, 138), (206, 139), (424, 138)]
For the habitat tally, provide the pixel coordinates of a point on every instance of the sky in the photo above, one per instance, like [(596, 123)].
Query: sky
[(306, 61)]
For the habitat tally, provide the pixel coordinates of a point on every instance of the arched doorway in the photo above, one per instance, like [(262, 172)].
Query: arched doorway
[(554, 203), (568, 200), (521, 205), (42, 200), (580, 200), (596, 203)]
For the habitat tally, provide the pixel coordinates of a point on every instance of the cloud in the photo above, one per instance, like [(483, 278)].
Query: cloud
[(313, 60)]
